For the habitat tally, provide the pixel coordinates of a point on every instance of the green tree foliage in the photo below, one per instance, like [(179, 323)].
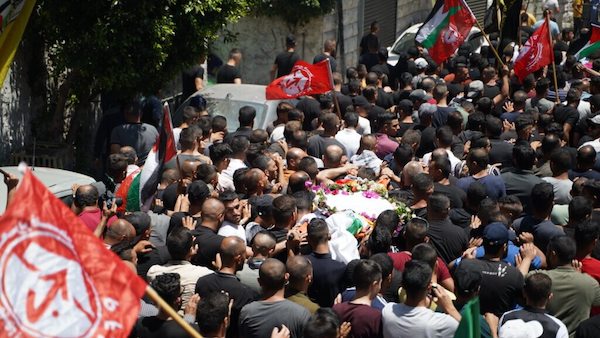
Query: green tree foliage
[(131, 46), (297, 12)]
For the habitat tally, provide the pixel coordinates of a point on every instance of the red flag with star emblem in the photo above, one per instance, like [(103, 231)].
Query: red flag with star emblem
[(535, 53), (304, 79), (57, 279)]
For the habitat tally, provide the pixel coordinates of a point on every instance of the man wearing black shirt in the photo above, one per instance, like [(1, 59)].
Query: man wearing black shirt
[(327, 273), (439, 170), (328, 53), (448, 239), (370, 41), (568, 115), (233, 257), (284, 61), (501, 284), (311, 109), (229, 72), (213, 214), (192, 80), (501, 151)]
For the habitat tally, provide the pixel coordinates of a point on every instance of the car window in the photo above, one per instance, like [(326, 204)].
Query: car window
[(230, 108), (407, 40)]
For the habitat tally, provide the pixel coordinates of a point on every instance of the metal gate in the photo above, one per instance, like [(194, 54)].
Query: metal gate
[(384, 12), (478, 8)]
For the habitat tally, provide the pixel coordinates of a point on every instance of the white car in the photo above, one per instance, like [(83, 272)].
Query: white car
[(227, 99), (58, 181), (407, 39)]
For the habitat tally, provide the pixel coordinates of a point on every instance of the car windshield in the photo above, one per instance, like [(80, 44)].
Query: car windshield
[(408, 40), (230, 109)]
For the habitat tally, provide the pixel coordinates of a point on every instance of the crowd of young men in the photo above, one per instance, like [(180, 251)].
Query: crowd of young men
[(502, 177)]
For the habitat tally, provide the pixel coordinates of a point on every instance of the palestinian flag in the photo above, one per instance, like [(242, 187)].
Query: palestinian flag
[(593, 44), (125, 190), (445, 29), (162, 152)]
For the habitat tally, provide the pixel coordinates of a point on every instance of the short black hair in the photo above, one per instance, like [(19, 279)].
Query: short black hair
[(493, 126), (168, 286), (385, 262), (475, 193), (564, 247), (426, 253), (438, 203), (443, 164), (318, 231), (444, 136), (323, 324), (304, 199), (187, 137), (365, 273), (219, 152), (542, 196), (212, 311), (388, 219), (246, 116), (284, 207), (586, 232), (422, 182), (179, 242), (309, 166), (140, 220), (351, 119), (560, 161), (580, 209), (219, 123), (416, 277), (228, 196), (538, 287), (239, 144), (380, 240), (523, 156)]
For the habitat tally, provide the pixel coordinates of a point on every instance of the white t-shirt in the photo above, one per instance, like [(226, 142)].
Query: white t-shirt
[(176, 135), (562, 189), (277, 133), (364, 126), (229, 229), (400, 320), (350, 139)]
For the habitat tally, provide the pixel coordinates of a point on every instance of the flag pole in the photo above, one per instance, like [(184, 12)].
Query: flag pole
[(169, 310), (336, 102), (547, 15), (489, 42)]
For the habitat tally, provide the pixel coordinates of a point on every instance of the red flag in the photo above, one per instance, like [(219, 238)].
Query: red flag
[(304, 79), (445, 29), (536, 53), (56, 278)]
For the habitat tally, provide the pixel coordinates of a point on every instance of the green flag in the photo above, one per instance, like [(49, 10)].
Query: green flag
[(469, 326)]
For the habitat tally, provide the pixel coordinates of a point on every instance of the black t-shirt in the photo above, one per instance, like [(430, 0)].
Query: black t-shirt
[(566, 114), (403, 128), (317, 145), (589, 328), (369, 40), (448, 239), (188, 80), (209, 243), (501, 284), (427, 143), (490, 91), (369, 60), (332, 62), (384, 100), (240, 293), (501, 152), (157, 256), (311, 109), (227, 74), (328, 275), (440, 117), (400, 95), (285, 61), (455, 194), (154, 327), (454, 88), (381, 68), (345, 101)]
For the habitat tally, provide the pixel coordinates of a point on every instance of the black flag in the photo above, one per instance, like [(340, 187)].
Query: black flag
[(490, 22), (511, 19)]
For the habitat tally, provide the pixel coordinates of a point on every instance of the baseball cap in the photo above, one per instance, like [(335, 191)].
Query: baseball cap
[(264, 205), (475, 89), (360, 101), (495, 233), (595, 119), (290, 39), (427, 109), (405, 105), (421, 63), (466, 280), (419, 94), (198, 191)]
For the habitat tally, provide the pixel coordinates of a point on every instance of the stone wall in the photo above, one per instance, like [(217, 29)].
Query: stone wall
[(262, 38), (411, 12)]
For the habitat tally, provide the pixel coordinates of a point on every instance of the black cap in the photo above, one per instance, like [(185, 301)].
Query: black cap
[(467, 280), (405, 105), (290, 40), (360, 101)]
